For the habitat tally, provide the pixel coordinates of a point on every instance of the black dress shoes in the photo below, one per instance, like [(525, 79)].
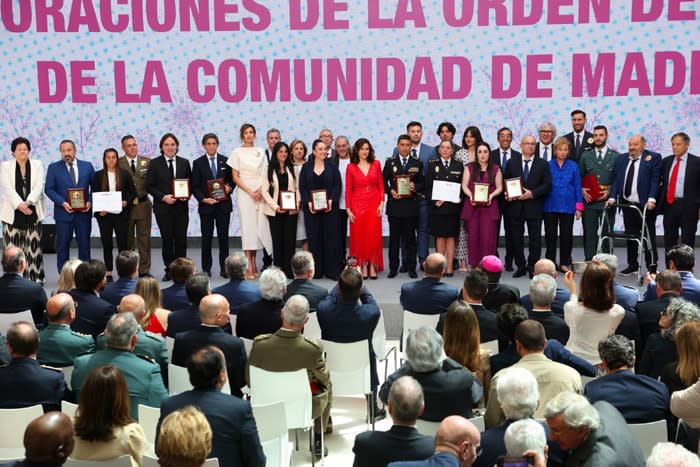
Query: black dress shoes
[(520, 272), (403, 268), (412, 274), (392, 274)]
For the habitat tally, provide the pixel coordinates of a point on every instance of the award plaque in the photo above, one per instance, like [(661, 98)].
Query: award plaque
[(217, 189), (319, 200), (77, 199), (481, 194), (514, 187), (181, 189), (288, 200), (403, 186)]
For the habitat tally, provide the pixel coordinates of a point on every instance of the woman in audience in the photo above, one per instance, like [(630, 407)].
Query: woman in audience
[(185, 439), (686, 371), (103, 427), (685, 405), (298, 150), (66, 278), (364, 199), (156, 317), (596, 316), (660, 349), (470, 140)]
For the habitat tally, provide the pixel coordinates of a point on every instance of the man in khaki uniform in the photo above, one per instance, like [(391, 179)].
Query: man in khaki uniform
[(140, 215), (288, 350)]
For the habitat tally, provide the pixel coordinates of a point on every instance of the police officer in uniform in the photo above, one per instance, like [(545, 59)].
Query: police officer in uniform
[(599, 162), (140, 213), (59, 344)]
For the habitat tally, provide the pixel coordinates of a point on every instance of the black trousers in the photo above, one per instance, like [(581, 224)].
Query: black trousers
[(343, 215), (402, 230), (680, 215), (112, 223), (324, 242), (172, 223), (517, 234), (508, 261), (561, 224), (283, 229), (633, 226), (207, 221)]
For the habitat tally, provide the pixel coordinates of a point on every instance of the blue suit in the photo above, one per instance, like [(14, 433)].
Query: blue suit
[(91, 313), (24, 383), (184, 319), (439, 459), (114, 292), (174, 297), (626, 297), (690, 291), (58, 181), (427, 296), (239, 292)]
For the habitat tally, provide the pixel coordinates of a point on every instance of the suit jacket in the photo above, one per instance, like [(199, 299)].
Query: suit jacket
[(4, 356), (148, 345), (648, 314), (690, 290), (187, 343), (399, 443), (499, 294), (59, 345), (691, 189), (550, 151), (648, 177), (658, 352), (261, 317), (272, 200), (235, 439), (439, 459), (586, 144), (114, 292), (554, 326), (562, 296), (174, 297), (629, 327), (127, 188), (159, 182), (58, 181), (539, 181), (10, 198), (19, 294), (428, 296), (139, 177), (239, 292), (201, 174), (184, 319), (403, 207), (626, 297), (553, 350), (313, 292), (497, 156), (91, 313), (24, 383)]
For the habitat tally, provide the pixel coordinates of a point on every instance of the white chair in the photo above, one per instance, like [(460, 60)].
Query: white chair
[(6, 319), (273, 432), (379, 344), (648, 434), (179, 380), (150, 461), (312, 329), (69, 408), (8, 455), (148, 419), (232, 322), (248, 344), (490, 345), (430, 428), (586, 379), (67, 375), (413, 321), (13, 422), (170, 344), (123, 461)]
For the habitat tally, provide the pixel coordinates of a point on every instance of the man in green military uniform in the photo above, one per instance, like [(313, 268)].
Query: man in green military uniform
[(142, 375), (141, 212), (58, 343), (599, 161)]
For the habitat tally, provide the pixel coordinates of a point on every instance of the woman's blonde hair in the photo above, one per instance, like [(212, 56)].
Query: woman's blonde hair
[(66, 278), (688, 345), (149, 290), (185, 439)]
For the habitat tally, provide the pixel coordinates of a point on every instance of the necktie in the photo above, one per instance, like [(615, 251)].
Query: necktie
[(414, 153), (404, 160), (172, 170), (671, 193), (212, 165), (545, 155), (600, 156), (629, 178), (578, 144), (504, 161), (447, 165), (133, 166), (526, 170), (71, 170)]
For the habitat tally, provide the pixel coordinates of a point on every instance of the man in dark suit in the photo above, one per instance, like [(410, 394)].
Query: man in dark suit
[(237, 290), (172, 213), (326, 135), (527, 208), (403, 211), (214, 313), (68, 174), (263, 316), (637, 183), (542, 291), (58, 343), (303, 268), (446, 131), (92, 313), (24, 382), (128, 269), (175, 296), (235, 440), (562, 295), (498, 293), (197, 287), (429, 296), (19, 294), (580, 140), (544, 149), (402, 442), (213, 210), (680, 194), (668, 286), (501, 156)]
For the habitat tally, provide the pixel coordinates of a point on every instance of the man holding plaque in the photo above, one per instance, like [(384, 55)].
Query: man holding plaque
[(403, 178), (211, 185), (68, 186)]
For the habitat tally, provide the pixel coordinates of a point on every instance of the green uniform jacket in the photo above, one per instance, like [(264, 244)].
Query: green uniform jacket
[(59, 345), (604, 171), (150, 345)]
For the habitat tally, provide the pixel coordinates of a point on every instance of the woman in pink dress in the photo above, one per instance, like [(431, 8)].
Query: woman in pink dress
[(364, 200)]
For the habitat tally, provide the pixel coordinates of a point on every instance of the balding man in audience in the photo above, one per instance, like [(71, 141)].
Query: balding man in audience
[(48, 441), (19, 294), (542, 293), (214, 314), (237, 290), (24, 382), (58, 343), (546, 266), (429, 296), (457, 442), (185, 319), (303, 267), (402, 442), (668, 286)]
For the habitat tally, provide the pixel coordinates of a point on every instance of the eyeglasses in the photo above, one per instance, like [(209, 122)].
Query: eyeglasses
[(479, 451), (546, 131)]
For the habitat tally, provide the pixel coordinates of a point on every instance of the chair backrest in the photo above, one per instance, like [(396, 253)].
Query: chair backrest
[(68, 375), (289, 387), (213, 462), (248, 344), (349, 367), (6, 319), (430, 428), (148, 419), (69, 408), (13, 422), (312, 329), (179, 380), (232, 322), (170, 345), (490, 345), (379, 337), (648, 434), (273, 432), (122, 461), (413, 321)]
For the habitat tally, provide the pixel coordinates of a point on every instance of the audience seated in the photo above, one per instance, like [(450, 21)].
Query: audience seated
[(552, 377), (142, 375), (542, 293), (214, 314), (24, 382), (526, 436), (20, 294), (625, 296), (184, 319), (498, 294), (448, 388), (402, 442), (92, 313), (238, 290), (303, 267), (546, 266), (235, 439), (127, 263), (263, 316), (58, 343), (429, 296), (671, 455), (680, 258), (685, 405), (48, 441), (685, 371), (668, 285), (185, 439), (4, 356), (103, 428), (175, 297), (156, 317), (66, 278)]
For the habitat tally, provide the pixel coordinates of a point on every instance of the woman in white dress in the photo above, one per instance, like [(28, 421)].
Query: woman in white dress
[(299, 150), (249, 166)]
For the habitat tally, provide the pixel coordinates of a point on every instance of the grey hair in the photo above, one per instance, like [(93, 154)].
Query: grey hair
[(236, 266), (577, 411), (406, 397), (679, 312), (517, 392), (616, 351), (525, 435), (295, 310), (302, 263), (273, 284), (424, 349), (548, 126), (120, 329), (609, 260), (543, 289), (11, 263), (672, 455)]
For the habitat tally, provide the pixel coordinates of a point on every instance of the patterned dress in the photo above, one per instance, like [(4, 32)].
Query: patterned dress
[(461, 250)]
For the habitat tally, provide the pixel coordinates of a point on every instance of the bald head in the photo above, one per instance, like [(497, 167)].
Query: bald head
[(545, 266), (435, 265), (133, 303), (49, 439), (636, 145), (459, 436), (22, 340), (214, 310), (60, 309)]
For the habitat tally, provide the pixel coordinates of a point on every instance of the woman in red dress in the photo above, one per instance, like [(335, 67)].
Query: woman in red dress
[(364, 199)]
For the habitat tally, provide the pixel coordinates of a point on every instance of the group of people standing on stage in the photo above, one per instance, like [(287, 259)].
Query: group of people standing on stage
[(285, 196)]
